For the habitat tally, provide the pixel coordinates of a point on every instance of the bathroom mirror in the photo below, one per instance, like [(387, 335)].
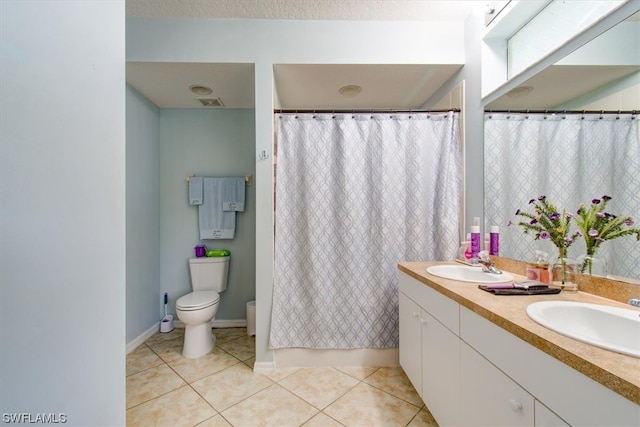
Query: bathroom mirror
[(574, 84)]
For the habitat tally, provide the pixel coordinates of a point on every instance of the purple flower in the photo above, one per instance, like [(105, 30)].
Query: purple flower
[(606, 198), (509, 224), (554, 216), (600, 239), (596, 201), (629, 222), (602, 214), (578, 233), (532, 201), (544, 235), (533, 221), (518, 212), (542, 197), (593, 232), (568, 215), (568, 239)]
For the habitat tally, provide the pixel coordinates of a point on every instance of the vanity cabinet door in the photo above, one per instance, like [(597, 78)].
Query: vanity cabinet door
[(440, 371), (489, 397), (545, 418), (410, 341)]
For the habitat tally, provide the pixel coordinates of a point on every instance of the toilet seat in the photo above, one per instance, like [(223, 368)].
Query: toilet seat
[(197, 300)]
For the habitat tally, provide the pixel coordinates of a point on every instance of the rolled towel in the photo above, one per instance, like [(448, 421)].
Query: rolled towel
[(195, 190)]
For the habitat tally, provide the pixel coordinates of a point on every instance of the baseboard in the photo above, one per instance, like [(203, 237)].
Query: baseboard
[(219, 323), (135, 343), (263, 367), (305, 357), (232, 323)]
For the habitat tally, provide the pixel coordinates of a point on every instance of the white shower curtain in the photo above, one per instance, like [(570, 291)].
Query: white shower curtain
[(355, 194), (570, 158)]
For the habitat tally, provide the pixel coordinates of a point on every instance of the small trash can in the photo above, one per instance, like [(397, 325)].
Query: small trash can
[(251, 318)]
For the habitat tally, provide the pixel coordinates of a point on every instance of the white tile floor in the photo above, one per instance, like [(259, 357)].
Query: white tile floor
[(221, 389)]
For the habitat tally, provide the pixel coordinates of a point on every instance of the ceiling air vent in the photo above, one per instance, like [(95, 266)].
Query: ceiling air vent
[(211, 102)]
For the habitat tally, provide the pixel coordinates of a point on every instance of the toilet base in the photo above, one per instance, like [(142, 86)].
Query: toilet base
[(198, 340)]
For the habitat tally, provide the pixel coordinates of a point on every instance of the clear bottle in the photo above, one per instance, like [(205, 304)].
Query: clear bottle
[(464, 252), (539, 268)]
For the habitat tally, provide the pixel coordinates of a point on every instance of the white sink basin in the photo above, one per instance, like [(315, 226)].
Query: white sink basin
[(613, 328), (466, 273)]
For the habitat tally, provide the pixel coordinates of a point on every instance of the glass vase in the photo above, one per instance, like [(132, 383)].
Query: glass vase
[(591, 265), (563, 274)]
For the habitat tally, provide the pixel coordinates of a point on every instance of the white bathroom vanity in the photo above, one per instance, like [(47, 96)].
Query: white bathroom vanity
[(477, 359)]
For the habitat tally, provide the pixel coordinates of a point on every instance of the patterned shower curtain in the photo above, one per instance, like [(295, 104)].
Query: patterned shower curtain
[(355, 194), (570, 158)]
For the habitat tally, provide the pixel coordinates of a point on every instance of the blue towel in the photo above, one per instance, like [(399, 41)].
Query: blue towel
[(195, 190), (214, 223), (233, 194)]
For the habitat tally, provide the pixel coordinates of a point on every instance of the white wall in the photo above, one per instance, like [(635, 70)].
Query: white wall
[(266, 43), (62, 205), (205, 142), (143, 214)]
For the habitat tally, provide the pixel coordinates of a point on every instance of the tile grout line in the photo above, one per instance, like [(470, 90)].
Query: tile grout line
[(208, 403), (272, 382)]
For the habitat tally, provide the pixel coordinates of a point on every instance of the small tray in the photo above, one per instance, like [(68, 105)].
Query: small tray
[(540, 290)]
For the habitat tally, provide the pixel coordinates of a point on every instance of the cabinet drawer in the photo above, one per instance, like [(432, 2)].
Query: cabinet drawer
[(439, 306)]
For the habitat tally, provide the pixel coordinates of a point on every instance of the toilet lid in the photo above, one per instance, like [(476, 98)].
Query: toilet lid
[(197, 300)]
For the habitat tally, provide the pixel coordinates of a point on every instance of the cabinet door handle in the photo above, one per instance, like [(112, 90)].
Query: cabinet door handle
[(414, 314), (423, 321), (515, 405)]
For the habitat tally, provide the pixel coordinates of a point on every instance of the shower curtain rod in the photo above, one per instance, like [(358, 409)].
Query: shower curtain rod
[(563, 111), (356, 111)]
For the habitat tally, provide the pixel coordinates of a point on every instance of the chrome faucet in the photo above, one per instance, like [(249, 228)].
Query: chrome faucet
[(487, 264), (635, 302)]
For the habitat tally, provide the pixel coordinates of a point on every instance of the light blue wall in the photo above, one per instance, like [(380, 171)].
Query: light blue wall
[(143, 214), (205, 143), (62, 210)]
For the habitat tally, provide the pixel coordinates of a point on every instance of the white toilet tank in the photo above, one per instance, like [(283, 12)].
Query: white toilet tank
[(209, 273)]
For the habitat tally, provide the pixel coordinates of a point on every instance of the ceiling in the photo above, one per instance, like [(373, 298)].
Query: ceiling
[(166, 84), (384, 86), (558, 84), (350, 10)]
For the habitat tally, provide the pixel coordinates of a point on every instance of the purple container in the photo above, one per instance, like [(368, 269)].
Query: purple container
[(200, 251)]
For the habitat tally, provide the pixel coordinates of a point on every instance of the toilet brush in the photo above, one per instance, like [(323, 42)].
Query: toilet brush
[(166, 301), (166, 325)]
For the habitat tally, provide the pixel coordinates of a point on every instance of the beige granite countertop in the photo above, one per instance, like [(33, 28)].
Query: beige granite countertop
[(618, 372)]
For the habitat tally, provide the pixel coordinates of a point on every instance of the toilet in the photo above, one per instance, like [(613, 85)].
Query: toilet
[(198, 308)]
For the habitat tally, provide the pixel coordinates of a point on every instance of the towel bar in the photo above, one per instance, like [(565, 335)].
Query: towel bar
[(248, 179)]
